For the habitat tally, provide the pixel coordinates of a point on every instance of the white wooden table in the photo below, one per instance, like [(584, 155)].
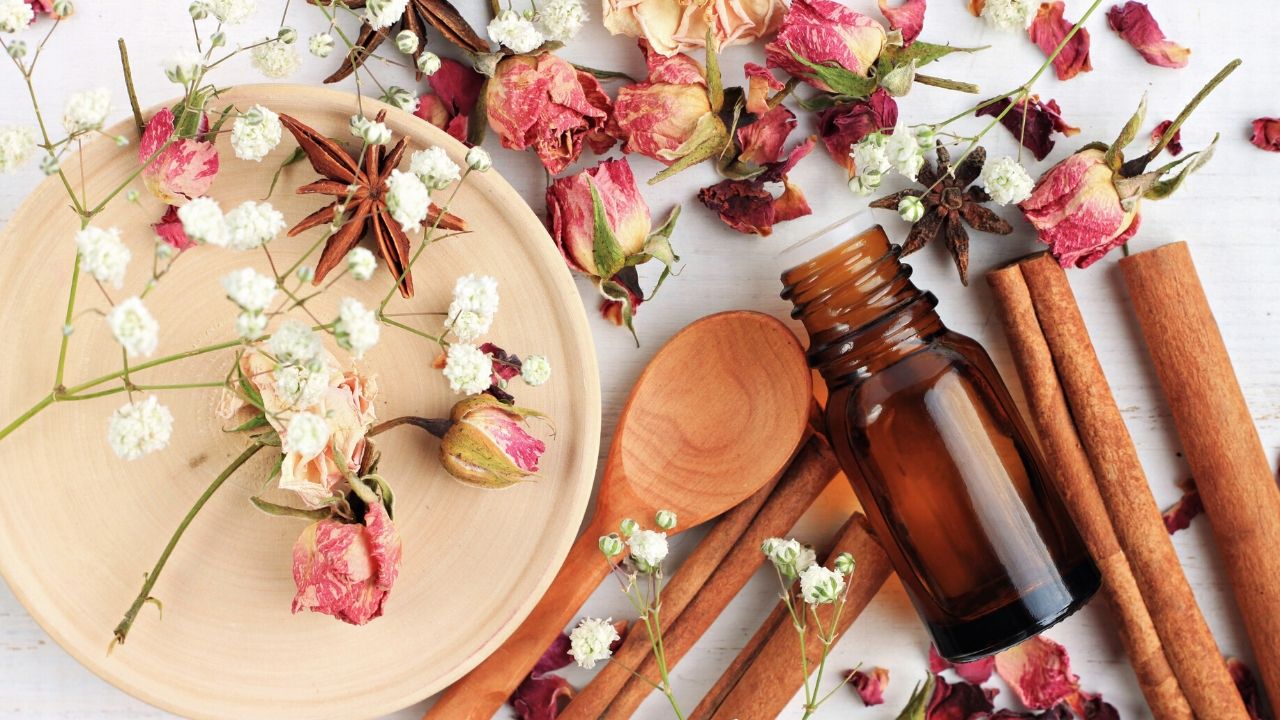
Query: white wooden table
[(1226, 212)]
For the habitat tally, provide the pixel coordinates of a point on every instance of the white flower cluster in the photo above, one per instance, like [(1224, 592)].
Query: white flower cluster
[(516, 32), (320, 45), (370, 132), (408, 199), (15, 15), (1010, 14), (139, 427), (560, 20), (103, 255), (294, 343), (788, 556), (86, 111), (301, 386), (535, 370), (356, 328), (361, 263), (1006, 181), (307, 434), (16, 145), (249, 289), (434, 168), (820, 585), (247, 226), (468, 369), (255, 133), (400, 97), (134, 327), (591, 641), (232, 12), (275, 59), (379, 14), (648, 549), (878, 153), (470, 315), (475, 302)]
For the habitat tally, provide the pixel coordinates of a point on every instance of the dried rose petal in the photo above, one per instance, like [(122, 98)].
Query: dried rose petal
[(1039, 672), (907, 17), (1134, 23), (169, 229), (870, 685), (1049, 28), (1179, 515), (760, 83), (761, 142), (843, 126), (1245, 682), (975, 7), (976, 672), (613, 310), (456, 88), (1093, 707), (959, 701), (1058, 712), (542, 697), (1266, 134), (1175, 145), (1032, 122), (749, 207)]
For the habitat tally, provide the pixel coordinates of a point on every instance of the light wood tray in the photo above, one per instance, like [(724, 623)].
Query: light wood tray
[(79, 527)]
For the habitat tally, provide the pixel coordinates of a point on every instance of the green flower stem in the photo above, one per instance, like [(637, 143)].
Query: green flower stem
[(66, 323), (1172, 131), (141, 388), (31, 412), (144, 595), (77, 389), (128, 84), (396, 323)]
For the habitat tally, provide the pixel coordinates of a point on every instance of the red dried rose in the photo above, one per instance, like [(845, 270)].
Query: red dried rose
[(1266, 134), (907, 17), (1048, 30), (825, 32), (455, 90), (347, 569), (1032, 122), (1175, 144), (169, 229), (976, 672), (180, 172), (870, 686), (749, 207), (1078, 212), (760, 143), (1179, 515), (1134, 23), (843, 126), (1039, 672)]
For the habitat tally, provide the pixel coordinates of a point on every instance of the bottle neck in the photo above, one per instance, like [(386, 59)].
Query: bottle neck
[(857, 303)]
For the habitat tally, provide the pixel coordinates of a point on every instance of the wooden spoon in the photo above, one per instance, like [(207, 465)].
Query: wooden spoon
[(718, 412)]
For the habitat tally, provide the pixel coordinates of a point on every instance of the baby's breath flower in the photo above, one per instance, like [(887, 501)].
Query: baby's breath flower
[(428, 63), (379, 14), (139, 427), (306, 273), (307, 434), (372, 133), (232, 12), (648, 549), (182, 67), (560, 20), (203, 221), (478, 293), (1006, 181), (400, 97), (356, 328), (434, 168), (218, 39), (845, 563), (103, 255), (49, 164), (611, 545), (910, 208), (198, 10), (871, 158), (628, 527), (807, 559), (407, 41), (478, 159), (274, 59), (904, 152), (467, 325), (252, 224), (17, 48), (592, 641), (294, 343), (468, 370), (407, 199), (251, 325), (820, 586), (1010, 14), (15, 15), (249, 289), (134, 327), (287, 35), (665, 519), (86, 111), (361, 263), (17, 142), (255, 133), (320, 45), (926, 137), (515, 31), (63, 8), (535, 370), (299, 386)]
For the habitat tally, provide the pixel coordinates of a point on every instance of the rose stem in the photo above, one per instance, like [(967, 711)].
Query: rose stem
[(435, 427), (122, 630)]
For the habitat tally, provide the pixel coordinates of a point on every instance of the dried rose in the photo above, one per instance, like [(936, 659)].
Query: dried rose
[(545, 103), (749, 207), (907, 17), (760, 83), (958, 701), (870, 686), (672, 26), (1049, 29), (1174, 146), (180, 172), (1031, 121), (825, 33), (1245, 682), (844, 125), (455, 90), (543, 695), (169, 229), (1039, 672), (1179, 515), (602, 226), (1266, 134), (347, 569), (976, 672), (486, 443), (1134, 23)]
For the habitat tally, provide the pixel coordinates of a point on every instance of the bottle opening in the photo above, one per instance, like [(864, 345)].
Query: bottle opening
[(825, 240)]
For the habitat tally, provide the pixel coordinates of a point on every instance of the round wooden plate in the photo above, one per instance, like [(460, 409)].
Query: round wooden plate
[(79, 527)]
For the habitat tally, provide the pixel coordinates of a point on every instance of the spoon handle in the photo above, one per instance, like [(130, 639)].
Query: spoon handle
[(482, 692)]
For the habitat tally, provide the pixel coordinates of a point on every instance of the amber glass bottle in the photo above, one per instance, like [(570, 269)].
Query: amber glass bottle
[(929, 437)]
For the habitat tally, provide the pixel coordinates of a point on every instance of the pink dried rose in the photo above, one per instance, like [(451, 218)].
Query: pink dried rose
[(169, 229), (1174, 145), (486, 443), (669, 115), (46, 7), (1034, 123), (842, 126), (825, 33), (455, 90), (870, 685), (347, 569), (760, 85), (1266, 134), (907, 17), (1078, 211), (748, 206), (672, 26), (1179, 515), (976, 672), (543, 102), (1039, 672), (1048, 30), (180, 172), (1134, 23)]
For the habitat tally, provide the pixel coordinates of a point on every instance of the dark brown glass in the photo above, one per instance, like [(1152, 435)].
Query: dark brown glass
[(935, 449)]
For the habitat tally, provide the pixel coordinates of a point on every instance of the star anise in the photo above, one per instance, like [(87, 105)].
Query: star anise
[(948, 200), (362, 187), (418, 14)]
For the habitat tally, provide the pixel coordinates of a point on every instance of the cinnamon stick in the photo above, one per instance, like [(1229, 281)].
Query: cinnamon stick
[(1187, 641), (615, 692), (1218, 437), (768, 670), (1069, 470)]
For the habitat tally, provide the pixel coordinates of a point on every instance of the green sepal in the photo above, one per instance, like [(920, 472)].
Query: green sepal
[(599, 74), (270, 439), (187, 115), (478, 120), (271, 508), (294, 157), (1115, 152), (383, 489), (897, 82), (824, 101), (918, 705), (1164, 188), (715, 84), (606, 252), (253, 423), (614, 290), (922, 53), (708, 140), (251, 394), (841, 81)]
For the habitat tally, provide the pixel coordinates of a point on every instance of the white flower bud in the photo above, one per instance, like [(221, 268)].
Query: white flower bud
[(49, 165), (17, 49), (287, 35), (63, 8), (910, 208), (665, 519), (306, 273), (401, 98), (611, 545), (428, 63), (820, 586), (131, 195), (320, 45), (845, 563), (478, 159), (198, 10), (68, 329), (407, 41), (218, 39), (629, 527)]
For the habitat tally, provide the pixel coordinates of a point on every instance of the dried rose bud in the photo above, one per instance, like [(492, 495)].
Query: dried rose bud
[(1266, 134), (183, 170), (487, 444), (1078, 211), (669, 115), (825, 33), (347, 569), (572, 217)]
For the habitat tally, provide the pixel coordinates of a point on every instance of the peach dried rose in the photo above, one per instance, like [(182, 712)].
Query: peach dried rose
[(1134, 23), (1048, 30), (672, 26), (665, 116)]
